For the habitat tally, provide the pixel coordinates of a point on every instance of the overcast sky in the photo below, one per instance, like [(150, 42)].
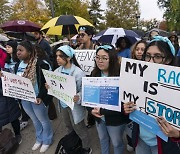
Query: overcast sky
[(148, 9)]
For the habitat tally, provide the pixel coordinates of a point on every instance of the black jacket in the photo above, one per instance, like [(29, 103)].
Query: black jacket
[(40, 81)]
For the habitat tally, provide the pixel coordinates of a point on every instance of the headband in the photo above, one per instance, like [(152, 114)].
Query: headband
[(105, 47), (67, 50)]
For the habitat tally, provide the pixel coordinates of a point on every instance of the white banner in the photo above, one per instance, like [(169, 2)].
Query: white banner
[(61, 86), (101, 92), (85, 59), (17, 87), (155, 88)]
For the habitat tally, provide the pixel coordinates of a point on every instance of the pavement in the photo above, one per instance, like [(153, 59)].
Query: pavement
[(28, 138)]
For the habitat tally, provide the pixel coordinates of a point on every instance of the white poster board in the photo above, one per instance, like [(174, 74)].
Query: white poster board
[(85, 59), (61, 86), (101, 92), (155, 88), (17, 87)]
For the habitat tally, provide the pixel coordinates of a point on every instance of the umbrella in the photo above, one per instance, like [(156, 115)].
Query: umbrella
[(64, 24), (20, 26), (3, 38), (21, 35), (161, 32), (111, 35)]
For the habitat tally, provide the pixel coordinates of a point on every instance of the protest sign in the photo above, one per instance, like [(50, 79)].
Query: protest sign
[(101, 92), (155, 88), (85, 59), (61, 86), (17, 87)]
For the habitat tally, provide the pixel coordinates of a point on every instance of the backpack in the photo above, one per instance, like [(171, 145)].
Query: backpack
[(69, 144), (8, 143)]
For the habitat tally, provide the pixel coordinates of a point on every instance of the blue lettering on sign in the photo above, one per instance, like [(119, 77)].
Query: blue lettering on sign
[(172, 77), (151, 108), (161, 108)]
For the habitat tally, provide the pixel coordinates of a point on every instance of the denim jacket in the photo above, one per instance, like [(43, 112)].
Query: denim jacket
[(79, 111)]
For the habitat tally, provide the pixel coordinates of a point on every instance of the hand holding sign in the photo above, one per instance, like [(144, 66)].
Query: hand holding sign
[(167, 128), (96, 112), (129, 107)]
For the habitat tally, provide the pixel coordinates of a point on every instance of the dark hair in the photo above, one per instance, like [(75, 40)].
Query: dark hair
[(119, 40), (73, 59), (13, 44), (114, 66), (133, 56), (176, 43), (41, 54), (164, 48), (88, 29), (29, 47)]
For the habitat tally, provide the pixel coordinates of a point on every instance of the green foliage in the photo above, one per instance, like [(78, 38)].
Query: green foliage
[(122, 13), (32, 10), (149, 24), (5, 11), (172, 13)]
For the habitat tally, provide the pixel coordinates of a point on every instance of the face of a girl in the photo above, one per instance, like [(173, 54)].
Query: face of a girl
[(59, 58), (22, 53), (139, 51), (9, 49), (102, 60), (154, 55)]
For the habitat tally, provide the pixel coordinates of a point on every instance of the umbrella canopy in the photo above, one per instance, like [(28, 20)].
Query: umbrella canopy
[(64, 24), (21, 35), (111, 35), (20, 26), (3, 38), (161, 32)]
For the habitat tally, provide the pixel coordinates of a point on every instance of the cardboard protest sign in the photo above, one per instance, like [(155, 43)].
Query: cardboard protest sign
[(101, 92), (85, 59), (61, 86), (155, 88), (17, 87)]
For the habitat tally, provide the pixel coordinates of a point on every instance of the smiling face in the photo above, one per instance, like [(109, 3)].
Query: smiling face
[(102, 60), (139, 50)]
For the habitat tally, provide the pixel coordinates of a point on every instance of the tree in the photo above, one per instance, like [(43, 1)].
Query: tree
[(4, 11), (32, 10), (172, 13), (122, 13), (150, 24), (70, 7), (95, 13)]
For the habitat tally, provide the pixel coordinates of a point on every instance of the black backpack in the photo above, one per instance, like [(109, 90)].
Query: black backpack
[(69, 144)]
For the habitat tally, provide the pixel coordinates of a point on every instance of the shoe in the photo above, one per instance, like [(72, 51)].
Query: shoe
[(87, 151), (19, 138), (129, 148), (23, 124), (44, 148), (36, 146)]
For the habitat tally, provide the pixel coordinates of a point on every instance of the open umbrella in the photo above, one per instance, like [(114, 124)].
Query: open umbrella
[(64, 25), (111, 35), (20, 26)]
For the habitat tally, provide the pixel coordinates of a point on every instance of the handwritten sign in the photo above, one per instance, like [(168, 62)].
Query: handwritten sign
[(155, 88), (61, 86), (101, 92), (17, 87), (85, 59)]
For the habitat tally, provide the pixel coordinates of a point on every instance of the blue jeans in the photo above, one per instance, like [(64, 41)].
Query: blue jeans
[(115, 133), (143, 148), (42, 124)]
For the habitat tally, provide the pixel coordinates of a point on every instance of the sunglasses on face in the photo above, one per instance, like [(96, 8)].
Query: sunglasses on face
[(81, 35)]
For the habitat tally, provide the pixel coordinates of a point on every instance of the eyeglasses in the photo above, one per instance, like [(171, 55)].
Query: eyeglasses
[(103, 59), (156, 58), (81, 35)]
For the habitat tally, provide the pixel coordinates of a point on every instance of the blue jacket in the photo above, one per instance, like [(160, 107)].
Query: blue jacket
[(79, 111)]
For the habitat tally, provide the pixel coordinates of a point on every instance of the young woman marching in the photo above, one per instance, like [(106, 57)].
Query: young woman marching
[(110, 124), (30, 68), (161, 51)]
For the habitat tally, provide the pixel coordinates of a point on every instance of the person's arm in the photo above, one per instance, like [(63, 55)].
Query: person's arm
[(129, 107)]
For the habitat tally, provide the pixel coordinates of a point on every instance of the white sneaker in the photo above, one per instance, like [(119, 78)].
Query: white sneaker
[(44, 147), (36, 146), (23, 124), (129, 148)]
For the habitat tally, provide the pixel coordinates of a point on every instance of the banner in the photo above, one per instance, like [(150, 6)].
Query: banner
[(61, 86), (101, 92), (85, 59), (155, 88), (17, 87)]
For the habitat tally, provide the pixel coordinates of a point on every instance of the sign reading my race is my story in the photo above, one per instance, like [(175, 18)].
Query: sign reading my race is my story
[(61, 86), (85, 59), (18, 87), (101, 92), (155, 88)]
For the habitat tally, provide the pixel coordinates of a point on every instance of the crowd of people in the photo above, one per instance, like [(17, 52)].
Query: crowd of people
[(27, 60)]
